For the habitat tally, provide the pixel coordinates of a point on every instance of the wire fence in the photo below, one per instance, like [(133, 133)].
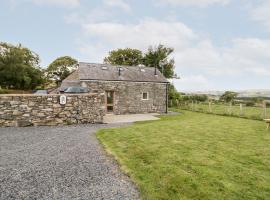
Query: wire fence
[(259, 112)]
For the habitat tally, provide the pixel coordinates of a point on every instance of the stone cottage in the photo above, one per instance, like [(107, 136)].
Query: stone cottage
[(127, 89)]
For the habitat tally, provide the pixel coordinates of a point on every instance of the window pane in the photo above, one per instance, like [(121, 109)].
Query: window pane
[(109, 97), (145, 96)]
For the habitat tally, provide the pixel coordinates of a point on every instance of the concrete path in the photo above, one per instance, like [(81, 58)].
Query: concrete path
[(59, 163), (111, 119)]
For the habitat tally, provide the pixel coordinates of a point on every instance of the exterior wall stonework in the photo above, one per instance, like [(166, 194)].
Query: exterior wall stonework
[(27, 110), (128, 95)]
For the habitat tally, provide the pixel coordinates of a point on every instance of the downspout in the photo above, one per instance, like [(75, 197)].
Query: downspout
[(119, 71)]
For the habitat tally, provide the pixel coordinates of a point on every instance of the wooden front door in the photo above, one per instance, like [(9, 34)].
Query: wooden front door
[(110, 101)]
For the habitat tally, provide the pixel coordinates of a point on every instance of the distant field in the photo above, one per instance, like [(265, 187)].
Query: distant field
[(194, 156), (221, 109)]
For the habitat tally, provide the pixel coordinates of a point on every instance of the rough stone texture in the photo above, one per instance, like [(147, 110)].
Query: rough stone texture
[(63, 162), (128, 95), (27, 110)]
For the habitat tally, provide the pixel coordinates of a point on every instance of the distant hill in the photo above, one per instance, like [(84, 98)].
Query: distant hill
[(241, 93)]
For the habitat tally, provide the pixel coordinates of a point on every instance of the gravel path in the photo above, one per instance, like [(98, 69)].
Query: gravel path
[(59, 163)]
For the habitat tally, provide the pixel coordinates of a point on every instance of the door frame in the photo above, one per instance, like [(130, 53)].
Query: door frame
[(109, 104)]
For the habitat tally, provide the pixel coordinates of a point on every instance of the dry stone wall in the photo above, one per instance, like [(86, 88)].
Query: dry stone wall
[(27, 110)]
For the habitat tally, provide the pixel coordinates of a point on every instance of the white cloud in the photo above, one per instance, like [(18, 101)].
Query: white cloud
[(104, 11), (141, 35), (94, 15), (261, 13), (243, 56), (199, 3), (196, 57), (193, 83), (117, 4), (66, 3)]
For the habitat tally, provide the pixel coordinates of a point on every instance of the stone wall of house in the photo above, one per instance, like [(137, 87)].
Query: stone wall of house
[(27, 110), (128, 95)]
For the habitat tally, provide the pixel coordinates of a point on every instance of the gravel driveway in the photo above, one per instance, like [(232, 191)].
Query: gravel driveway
[(59, 163)]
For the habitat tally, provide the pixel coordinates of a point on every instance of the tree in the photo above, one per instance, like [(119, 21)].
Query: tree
[(61, 68), (199, 97), (126, 56), (154, 57), (228, 96), (159, 57), (173, 93), (19, 67)]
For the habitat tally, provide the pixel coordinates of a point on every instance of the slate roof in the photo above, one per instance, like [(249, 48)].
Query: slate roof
[(107, 72), (71, 81)]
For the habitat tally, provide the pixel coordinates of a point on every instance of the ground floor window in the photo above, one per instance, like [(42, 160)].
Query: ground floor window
[(145, 96)]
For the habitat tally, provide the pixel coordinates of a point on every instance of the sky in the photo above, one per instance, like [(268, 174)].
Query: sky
[(218, 44)]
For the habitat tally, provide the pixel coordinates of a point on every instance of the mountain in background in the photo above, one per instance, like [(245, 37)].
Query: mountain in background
[(241, 93)]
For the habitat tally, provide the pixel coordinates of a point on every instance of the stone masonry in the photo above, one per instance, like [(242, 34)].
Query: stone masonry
[(128, 95), (38, 110)]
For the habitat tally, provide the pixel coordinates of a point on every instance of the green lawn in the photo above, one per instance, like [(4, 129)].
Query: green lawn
[(222, 109), (194, 156)]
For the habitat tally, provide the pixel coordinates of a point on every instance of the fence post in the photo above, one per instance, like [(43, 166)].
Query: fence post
[(230, 109), (241, 110), (210, 106), (264, 110)]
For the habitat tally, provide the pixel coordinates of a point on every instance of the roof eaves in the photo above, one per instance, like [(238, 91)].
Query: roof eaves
[(124, 81)]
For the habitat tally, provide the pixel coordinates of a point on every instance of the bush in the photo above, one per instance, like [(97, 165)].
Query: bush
[(3, 91), (250, 103)]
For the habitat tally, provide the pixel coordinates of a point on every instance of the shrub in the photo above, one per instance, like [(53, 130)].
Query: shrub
[(3, 91), (250, 103)]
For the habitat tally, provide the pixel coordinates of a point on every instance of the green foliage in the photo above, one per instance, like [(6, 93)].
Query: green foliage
[(257, 99), (198, 97), (19, 67), (228, 96), (3, 91), (194, 156), (250, 103), (61, 68), (126, 56), (173, 93), (154, 57), (159, 57)]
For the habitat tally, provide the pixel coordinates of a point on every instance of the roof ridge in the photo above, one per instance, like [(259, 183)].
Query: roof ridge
[(90, 63)]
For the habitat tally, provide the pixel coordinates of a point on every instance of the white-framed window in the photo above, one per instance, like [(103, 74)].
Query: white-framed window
[(145, 96)]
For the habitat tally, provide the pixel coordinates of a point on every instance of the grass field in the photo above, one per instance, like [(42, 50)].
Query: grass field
[(222, 109), (194, 156)]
